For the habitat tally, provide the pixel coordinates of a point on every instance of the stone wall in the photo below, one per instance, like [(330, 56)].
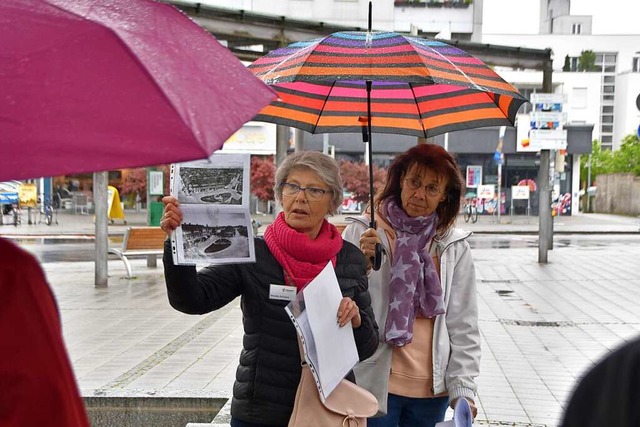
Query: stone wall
[(618, 193)]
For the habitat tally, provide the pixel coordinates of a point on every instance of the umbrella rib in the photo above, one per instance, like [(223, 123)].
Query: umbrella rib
[(415, 99), (295, 53), (480, 88), (315, 126)]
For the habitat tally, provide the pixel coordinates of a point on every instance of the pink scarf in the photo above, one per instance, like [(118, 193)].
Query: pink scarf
[(301, 257)]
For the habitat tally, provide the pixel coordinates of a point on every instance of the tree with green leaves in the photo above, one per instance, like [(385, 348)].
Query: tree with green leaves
[(599, 160), (587, 61), (624, 160), (627, 158)]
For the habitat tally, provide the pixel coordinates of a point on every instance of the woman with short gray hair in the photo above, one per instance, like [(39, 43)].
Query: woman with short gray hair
[(295, 248), (324, 166)]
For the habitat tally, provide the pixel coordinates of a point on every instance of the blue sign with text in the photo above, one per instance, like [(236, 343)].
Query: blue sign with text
[(8, 198)]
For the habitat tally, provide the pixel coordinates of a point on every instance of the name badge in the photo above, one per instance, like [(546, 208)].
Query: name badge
[(282, 292)]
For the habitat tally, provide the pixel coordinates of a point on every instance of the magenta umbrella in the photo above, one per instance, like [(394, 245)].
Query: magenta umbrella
[(90, 85)]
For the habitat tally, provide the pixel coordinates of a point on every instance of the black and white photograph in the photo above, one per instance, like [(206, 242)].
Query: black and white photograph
[(214, 199), (223, 179), (211, 233)]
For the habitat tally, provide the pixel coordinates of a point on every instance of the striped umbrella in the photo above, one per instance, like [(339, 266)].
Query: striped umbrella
[(382, 82), (419, 87)]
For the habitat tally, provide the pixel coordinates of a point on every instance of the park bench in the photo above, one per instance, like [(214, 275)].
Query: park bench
[(140, 242)]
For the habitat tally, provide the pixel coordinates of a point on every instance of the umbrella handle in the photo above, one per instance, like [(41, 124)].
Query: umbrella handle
[(376, 260)]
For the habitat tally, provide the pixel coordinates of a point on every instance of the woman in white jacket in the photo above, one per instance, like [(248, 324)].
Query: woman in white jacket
[(423, 296)]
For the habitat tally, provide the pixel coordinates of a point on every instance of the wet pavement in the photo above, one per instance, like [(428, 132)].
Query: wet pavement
[(542, 325), (81, 225), (82, 249)]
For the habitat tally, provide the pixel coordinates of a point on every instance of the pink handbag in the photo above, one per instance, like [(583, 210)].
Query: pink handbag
[(348, 405)]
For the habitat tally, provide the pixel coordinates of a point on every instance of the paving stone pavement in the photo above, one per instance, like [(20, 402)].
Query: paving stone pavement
[(67, 223), (542, 326)]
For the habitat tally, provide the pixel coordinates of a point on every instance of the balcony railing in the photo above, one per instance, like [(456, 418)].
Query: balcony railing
[(463, 4)]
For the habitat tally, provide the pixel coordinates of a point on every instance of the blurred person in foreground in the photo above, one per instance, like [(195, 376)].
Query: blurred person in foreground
[(609, 393), (295, 248), (37, 384), (423, 296)]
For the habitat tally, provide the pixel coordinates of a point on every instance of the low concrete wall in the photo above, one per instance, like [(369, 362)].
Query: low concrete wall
[(151, 411), (618, 193), (222, 419)]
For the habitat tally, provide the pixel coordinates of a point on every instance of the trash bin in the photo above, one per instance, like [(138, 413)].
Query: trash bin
[(155, 213)]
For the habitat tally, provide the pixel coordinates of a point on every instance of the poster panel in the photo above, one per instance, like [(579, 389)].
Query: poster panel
[(520, 192), (474, 176)]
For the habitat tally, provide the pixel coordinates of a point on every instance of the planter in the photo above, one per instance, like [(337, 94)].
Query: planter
[(408, 3), (449, 4)]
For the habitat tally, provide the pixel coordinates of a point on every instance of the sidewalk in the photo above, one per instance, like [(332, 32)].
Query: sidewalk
[(69, 223), (542, 326)]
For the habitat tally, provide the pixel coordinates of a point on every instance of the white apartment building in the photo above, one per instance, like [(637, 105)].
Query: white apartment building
[(606, 97)]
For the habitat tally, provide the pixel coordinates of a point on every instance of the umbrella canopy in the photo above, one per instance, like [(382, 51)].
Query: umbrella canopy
[(419, 86), (383, 82), (528, 182), (91, 85)]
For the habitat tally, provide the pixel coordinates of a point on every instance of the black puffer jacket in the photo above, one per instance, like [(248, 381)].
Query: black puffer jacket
[(269, 369)]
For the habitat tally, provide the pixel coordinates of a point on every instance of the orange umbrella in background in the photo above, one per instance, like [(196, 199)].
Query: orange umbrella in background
[(528, 182)]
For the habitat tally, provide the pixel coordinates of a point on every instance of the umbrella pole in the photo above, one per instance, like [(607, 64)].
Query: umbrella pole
[(376, 261), (370, 154)]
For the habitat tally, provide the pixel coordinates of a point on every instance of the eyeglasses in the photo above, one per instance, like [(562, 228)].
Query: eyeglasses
[(432, 189), (312, 193)]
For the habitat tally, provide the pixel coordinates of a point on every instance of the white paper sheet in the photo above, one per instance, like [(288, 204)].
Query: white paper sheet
[(461, 415), (335, 346)]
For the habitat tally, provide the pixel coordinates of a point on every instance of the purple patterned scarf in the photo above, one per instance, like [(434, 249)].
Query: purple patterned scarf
[(415, 285)]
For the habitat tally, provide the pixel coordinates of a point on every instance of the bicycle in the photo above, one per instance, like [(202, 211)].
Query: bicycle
[(47, 211), (470, 210)]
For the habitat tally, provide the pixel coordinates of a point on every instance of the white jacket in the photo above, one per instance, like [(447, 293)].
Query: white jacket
[(456, 337)]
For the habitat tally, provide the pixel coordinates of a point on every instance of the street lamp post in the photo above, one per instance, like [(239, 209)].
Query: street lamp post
[(586, 193)]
